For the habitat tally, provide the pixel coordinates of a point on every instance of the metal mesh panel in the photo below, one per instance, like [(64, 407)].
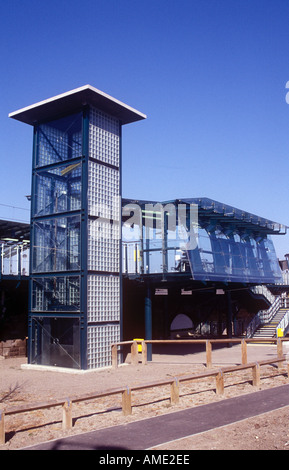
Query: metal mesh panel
[(61, 293), (56, 244), (59, 140), (58, 189)]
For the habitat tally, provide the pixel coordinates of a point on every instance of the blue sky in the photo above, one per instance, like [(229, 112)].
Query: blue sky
[(210, 75)]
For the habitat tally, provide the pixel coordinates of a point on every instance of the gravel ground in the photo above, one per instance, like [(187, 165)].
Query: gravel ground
[(20, 385)]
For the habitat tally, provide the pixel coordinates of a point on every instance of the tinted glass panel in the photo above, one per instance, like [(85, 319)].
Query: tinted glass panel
[(56, 244), (59, 140), (56, 294), (56, 342), (58, 189), (234, 257)]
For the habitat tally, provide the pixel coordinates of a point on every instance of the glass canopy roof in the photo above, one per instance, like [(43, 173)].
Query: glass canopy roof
[(240, 217), (222, 244)]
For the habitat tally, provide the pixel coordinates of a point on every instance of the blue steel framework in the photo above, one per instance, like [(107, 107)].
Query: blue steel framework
[(67, 268), (61, 331), (75, 251), (223, 247), (57, 323)]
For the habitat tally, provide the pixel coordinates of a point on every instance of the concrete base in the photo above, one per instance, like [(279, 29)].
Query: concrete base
[(65, 370)]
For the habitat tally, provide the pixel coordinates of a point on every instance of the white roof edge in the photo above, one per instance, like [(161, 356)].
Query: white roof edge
[(112, 99), (48, 100), (73, 92)]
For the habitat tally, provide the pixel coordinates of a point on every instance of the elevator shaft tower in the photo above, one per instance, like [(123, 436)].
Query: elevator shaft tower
[(75, 292)]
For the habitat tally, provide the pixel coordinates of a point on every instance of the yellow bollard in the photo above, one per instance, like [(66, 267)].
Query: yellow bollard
[(139, 346)]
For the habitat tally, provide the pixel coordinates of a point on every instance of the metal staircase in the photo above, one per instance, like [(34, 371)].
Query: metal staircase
[(268, 330), (267, 322)]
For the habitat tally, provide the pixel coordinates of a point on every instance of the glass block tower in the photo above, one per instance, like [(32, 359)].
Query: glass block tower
[(75, 263)]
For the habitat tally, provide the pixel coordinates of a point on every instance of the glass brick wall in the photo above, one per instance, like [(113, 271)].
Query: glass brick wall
[(104, 282)]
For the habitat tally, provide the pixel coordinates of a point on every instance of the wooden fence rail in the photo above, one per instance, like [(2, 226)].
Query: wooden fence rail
[(126, 392), (207, 342)]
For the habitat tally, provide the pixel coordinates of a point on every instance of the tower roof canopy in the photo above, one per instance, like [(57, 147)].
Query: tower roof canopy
[(73, 101)]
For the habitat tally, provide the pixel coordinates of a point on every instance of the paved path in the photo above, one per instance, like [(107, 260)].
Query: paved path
[(148, 433)]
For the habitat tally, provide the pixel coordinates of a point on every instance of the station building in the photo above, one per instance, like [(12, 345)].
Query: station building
[(103, 269), (14, 277)]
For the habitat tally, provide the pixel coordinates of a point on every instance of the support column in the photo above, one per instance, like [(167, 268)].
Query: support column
[(148, 320), (165, 242), (229, 316), (166, 325)]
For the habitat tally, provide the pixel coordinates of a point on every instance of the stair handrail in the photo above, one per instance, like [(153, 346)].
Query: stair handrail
[(284, 322), (264, 316)]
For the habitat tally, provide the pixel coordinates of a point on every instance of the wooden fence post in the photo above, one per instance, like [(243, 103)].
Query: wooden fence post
[(67, 415), (144, 356), (256, 375), (280, 365), (209, 354), (244, 352), (134, 353), (280, 352), (175, 392), (279, 347), (2, 427), (126, 402), (220, 383), (114, 356)]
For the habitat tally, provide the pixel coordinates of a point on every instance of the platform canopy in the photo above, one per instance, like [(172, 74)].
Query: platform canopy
[(74, 100), (210, 210), (224, 244), (14, 231), (241, 219)]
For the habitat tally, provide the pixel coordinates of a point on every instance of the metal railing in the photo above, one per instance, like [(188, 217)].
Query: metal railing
[(264, 316), (283, 324), (14, 259), (263, 290)]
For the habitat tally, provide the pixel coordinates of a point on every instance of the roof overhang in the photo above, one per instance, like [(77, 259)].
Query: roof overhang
[(220, 213), (227, 214), (14, 231), (73, 101)]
